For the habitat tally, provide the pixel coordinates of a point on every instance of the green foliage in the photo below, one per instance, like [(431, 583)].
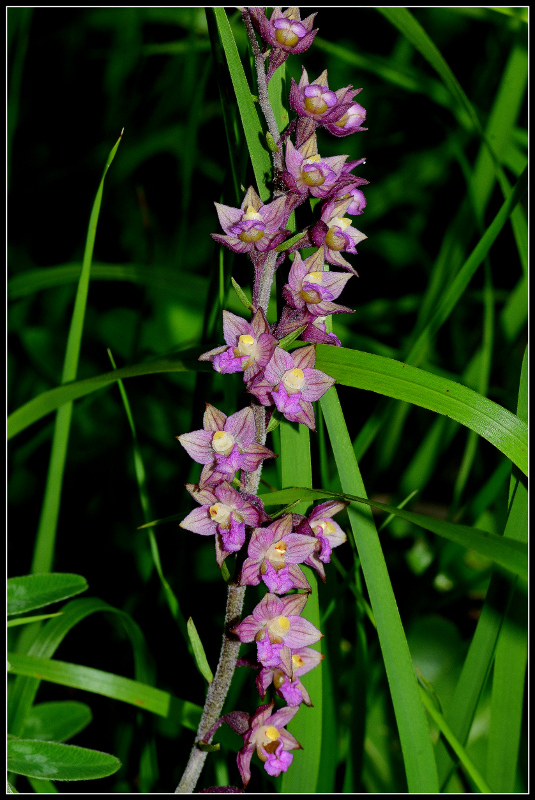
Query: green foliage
[(422, 685)]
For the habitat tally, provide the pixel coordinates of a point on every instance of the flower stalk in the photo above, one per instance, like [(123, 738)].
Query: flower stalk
[(279, 382)]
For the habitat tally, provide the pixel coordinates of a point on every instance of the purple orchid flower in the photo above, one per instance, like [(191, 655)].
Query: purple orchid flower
[(293, 691), (350, 122), (286, 33), (317, 105), (254, 227), (358, 202), (278, 629), (312, 174), (310, 287), (249, 347), (321, 525), (292, 384), (224, 513), (267, 735), (225, 445), (336, 234), (274, 553), (315, 330)]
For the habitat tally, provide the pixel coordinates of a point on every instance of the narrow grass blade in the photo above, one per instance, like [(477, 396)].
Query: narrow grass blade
[(170, 596), (251, 124), (395, 379), (507, 553), (13, 623), (77, 676), (48, 640), (49, 401), (307, 725), (510, 661), (453, 742), (480, 655), (46, 535), (30, 281), (462, 279), (413, 730), (404, 21)]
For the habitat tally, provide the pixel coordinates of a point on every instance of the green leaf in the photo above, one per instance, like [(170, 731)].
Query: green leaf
[(141, 480), (137, 694), (34, 591), (56, 721), (291, 337), (198, 652), (13, 623), (43, 555), (412, 724), (509, 554), (403, 382), (248, 113), (50, 637), (478, 662), (60, 762), (306, 727), (289, 242), (241, 294), (54, 398), (454, 743)]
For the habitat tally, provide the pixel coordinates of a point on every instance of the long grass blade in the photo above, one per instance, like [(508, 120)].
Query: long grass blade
[(413, 730), (307, 725), (46, 534)]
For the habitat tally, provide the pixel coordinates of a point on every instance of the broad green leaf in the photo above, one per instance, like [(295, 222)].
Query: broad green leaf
[(59, 762), (34, 591), (404, 382), (56, 721), (509, 554), (254, 134), (136, 693), (48, 640), (412, 724), (198, 652)]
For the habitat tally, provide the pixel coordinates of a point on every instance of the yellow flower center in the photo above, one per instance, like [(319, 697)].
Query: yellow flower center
[(297, 661), (267, 737), (279, 678), (316, 105), (220, 513), (278, 628), (252, 235), (293, 380), (313, 277), (276, 556), (222, 442), (287, 37), (324, 527), (246, 344), (251, 213), (342, 121)]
